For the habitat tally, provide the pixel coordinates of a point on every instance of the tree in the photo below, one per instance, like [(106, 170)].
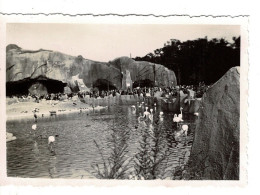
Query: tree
[(197, 60)]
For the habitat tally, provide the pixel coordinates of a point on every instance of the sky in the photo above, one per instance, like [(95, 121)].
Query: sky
[(104, 42)]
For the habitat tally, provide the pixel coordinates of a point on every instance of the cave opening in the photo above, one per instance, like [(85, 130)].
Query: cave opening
[(143, 83), (40, 85), (103, 84)]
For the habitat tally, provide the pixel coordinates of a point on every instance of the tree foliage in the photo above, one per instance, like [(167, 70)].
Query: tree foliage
[(198, 60)]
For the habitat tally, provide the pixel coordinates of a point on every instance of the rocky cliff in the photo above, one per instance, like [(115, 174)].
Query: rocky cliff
[(25, 64), (215, 151)]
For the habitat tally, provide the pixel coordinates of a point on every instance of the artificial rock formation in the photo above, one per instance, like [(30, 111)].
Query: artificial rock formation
[(215, 151), (25, 64)]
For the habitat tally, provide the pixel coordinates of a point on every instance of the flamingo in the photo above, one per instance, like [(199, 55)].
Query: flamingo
[(140, 105), (184, 129), (177, 119), (51, 140), (196, 114), (146, 113), (133, 108), (34, 127), (151, 115), (151, 110), (161, 116), (180, 115), (186, 100)]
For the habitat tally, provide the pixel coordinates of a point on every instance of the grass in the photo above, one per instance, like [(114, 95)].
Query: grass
[(153, 155), (117, 164), (152, 160)]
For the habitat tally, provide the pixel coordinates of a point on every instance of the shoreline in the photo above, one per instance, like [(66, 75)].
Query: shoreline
[(24, 110)]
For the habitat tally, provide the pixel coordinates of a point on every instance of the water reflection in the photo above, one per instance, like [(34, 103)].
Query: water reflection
[(52, 166), (127, 138), (36, 151)]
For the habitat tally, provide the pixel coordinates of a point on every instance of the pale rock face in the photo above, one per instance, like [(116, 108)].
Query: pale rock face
[(215, 151), (22, 64)]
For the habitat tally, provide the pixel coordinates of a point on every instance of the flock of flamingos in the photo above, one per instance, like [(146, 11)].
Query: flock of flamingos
[(142, 119)]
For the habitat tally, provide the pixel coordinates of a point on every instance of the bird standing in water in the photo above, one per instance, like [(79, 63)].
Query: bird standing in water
[(151, 115), (133, 109), (180, 115), (34, 127), (154, 106), (177, 119), (161, 116), (51, 140), (184, 129), (146, 113)]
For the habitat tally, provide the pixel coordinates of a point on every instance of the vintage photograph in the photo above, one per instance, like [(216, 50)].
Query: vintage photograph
[(123, 101)]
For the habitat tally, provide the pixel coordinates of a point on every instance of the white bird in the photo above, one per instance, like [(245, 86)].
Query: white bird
[(196, 114), (180, 115), (161, 116), (151, 115), (146, 113), (177, 119), (51, 139), (184, 129), (34, 127), (139, 105), (133, 108), (186, 100)]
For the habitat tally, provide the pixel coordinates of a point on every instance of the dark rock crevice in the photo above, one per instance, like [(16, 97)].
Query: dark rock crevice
[(35, 85), (103, 84)]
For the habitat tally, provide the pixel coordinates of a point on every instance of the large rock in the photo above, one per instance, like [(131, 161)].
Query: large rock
[(215, 151), (21, 64), (141, 70)]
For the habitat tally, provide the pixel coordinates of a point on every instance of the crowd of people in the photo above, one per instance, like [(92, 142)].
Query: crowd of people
[(168, 92)]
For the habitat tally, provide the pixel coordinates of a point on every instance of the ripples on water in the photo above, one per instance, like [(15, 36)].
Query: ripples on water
[(76, 152)]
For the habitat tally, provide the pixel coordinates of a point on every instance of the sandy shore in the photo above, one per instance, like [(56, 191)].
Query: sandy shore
[(20, 110)]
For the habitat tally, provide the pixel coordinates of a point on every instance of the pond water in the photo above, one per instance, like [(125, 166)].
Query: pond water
[(85, 143)]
